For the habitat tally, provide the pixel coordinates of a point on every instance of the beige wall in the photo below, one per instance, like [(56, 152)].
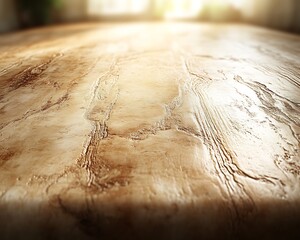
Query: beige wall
[(279, 14), (73, 10), (8, 16)]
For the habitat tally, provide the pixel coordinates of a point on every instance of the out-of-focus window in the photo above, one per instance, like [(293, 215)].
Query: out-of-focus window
[(183, 9), (161, 8), (117, 7)]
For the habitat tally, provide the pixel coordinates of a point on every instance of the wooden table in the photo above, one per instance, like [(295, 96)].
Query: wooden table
[(150, 131)]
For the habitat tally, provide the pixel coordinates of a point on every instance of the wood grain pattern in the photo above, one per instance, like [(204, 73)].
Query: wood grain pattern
[(150, 130)]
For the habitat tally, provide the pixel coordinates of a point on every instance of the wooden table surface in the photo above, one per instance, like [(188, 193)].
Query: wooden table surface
[(150, 131)]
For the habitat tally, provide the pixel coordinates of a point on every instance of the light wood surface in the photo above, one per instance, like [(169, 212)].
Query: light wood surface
[(150, 130)]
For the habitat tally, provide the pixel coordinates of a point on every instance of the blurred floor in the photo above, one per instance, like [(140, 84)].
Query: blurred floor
[(150, 130)]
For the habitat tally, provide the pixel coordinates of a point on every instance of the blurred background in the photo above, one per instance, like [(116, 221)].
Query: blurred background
[(278, 14)]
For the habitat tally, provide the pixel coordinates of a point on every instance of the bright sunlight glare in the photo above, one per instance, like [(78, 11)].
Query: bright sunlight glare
[(167, 8)]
